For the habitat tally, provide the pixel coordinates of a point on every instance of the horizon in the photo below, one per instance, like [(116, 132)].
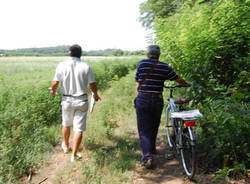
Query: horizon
[(68, 46)]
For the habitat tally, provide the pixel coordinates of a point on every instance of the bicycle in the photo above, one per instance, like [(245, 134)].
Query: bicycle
[(180, 132)]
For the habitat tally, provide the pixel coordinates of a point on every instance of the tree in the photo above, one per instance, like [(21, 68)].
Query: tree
[(117, 52), (152, 9)]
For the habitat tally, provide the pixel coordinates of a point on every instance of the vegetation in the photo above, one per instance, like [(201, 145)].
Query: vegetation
[(30, 117), (63, 51), (207, 42), (112, 148)]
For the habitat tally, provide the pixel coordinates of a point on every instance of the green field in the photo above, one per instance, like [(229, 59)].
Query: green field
[(35, 70), (30, 117)]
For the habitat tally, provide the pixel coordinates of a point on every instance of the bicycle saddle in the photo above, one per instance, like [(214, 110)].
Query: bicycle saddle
[(181, 100)]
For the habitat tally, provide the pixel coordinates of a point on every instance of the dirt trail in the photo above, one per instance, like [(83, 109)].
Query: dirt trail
[(165, 171), (48, 172)]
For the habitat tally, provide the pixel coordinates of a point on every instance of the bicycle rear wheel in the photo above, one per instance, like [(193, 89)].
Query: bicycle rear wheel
[(187, 150), (170, 130)]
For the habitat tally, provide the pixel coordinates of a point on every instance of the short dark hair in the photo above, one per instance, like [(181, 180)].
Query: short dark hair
[(75, 51), (154, 51)]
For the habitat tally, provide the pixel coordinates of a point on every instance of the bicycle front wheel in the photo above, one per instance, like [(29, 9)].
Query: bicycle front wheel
[(170, 129), (187, 150)]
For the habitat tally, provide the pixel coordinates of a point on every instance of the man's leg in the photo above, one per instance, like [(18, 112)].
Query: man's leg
[(144, 125), (157, 111), (79, 125), (66, 134), (76, 142), (67, 119)]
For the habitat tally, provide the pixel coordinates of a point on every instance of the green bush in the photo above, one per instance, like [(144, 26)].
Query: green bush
[(208, 44), (29, 119), (225, 134), (26, 118), (106, 71)]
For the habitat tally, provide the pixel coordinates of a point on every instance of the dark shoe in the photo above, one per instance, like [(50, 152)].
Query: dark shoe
[(148, 163)]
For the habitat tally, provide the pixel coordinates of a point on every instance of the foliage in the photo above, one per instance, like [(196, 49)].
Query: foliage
[(106, 71), (63, 51), (211, 50), (30, 118), (117, 52), (208, 44), (152, 9), (26, 129), (228, 121), (45, 51)]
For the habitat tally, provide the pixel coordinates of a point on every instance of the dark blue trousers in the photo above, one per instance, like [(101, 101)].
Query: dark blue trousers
[(148, 111)]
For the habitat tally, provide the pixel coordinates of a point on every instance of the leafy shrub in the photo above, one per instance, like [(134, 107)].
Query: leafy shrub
[(225, 131), (25, 122), (106, 71), (208, 44)]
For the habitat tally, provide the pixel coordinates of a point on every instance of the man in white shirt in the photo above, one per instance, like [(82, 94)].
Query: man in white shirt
[(74, 75)]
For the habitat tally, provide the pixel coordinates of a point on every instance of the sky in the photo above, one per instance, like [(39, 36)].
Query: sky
[(93, 24)]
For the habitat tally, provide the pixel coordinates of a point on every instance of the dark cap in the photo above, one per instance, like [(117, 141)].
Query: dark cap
[(154, 50)]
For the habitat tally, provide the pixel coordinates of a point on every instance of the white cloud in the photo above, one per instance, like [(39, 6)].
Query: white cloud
[(94, 24)]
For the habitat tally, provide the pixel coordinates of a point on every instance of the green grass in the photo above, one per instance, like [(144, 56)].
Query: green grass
[(110, 145), (36, 70), (30, 117)]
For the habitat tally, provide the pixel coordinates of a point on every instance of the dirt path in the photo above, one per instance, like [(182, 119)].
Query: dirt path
[(48, 173), (165, 172)]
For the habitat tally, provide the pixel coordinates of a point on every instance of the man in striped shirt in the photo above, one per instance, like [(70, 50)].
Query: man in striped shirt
[(151, 75)]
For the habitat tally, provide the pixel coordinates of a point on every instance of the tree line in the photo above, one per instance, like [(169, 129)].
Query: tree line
[(63, 51)]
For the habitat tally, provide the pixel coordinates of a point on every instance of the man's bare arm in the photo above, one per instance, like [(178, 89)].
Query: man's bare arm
[(54, 86), (182, 82), (93, 88)]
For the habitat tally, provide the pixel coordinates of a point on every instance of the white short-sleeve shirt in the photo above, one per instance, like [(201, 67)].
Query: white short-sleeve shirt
[(74, 75)]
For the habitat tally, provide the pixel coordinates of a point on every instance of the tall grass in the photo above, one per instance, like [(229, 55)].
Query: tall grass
[(30, 117)]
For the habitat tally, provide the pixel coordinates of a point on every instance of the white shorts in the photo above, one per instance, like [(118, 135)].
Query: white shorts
[(74, 111)]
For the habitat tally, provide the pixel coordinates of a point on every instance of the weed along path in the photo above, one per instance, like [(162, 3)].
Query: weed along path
[(48, 172), (111, 151)]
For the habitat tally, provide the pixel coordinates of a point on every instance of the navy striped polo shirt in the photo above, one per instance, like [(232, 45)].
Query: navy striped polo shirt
[(155, 81)]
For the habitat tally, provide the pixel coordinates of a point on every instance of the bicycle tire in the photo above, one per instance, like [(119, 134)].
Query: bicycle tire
[(170, 130), (187, 151)]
